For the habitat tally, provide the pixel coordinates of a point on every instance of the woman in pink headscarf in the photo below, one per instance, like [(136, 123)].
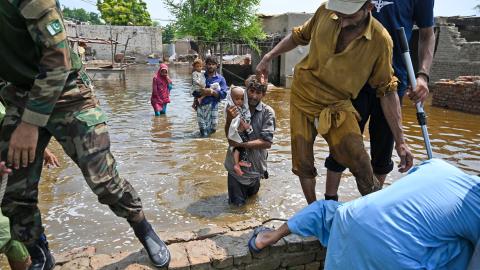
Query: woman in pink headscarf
[(161, 90)]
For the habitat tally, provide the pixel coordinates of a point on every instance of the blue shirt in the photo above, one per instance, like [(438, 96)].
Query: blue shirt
[(217, 78), (394, 14), (429, 219)]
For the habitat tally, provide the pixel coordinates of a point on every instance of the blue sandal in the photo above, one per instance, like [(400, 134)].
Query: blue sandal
[(251, 243)]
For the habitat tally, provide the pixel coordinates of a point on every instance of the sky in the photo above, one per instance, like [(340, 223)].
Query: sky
[(159, 12)]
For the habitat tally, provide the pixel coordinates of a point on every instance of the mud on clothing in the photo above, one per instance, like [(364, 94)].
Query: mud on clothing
[(392, 15), (321, 93)]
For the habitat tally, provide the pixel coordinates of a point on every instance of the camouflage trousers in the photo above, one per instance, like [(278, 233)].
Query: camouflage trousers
[(84, 137)]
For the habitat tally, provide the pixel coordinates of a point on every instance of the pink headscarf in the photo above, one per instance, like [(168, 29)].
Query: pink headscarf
[(160, 93)]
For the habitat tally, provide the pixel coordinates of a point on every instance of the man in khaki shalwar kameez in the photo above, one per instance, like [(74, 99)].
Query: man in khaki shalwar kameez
[(348, 48)]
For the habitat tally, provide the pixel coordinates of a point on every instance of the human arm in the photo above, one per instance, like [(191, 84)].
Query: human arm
[(287, 44), (385, 83), (253, 144), (424, 19), (391, 109), (154, 87), (426, 47), (300, 35), (44, 22)]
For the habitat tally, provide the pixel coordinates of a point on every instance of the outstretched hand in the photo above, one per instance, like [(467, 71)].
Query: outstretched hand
[(406, 157), (262, 70)]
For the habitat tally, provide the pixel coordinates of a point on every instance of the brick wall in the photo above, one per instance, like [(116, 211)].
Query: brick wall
[(210, 248), (462, 94), (455, 56)]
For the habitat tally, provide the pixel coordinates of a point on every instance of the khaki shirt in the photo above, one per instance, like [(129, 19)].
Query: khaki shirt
[(325, 79)]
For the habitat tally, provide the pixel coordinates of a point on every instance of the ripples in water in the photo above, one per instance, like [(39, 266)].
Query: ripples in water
[(180, 177)]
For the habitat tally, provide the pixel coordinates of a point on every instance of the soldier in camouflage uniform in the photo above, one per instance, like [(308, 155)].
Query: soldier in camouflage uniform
[(48, 94)]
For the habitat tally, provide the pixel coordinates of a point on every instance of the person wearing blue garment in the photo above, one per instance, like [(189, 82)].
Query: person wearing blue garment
[(392, 14), (429, 219), (207, 110)]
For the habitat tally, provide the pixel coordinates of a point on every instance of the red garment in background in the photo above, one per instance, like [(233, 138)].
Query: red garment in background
[(160, 92)]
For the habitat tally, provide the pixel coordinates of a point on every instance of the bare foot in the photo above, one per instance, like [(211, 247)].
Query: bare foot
[(237, 169), (245, 164)]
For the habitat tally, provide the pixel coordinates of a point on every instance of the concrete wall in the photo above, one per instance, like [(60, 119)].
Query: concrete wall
[(463, 94), (283, 24), (144, 40)]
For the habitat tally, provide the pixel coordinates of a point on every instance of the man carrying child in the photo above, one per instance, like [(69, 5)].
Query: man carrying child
[(209, 97), (262, 121)]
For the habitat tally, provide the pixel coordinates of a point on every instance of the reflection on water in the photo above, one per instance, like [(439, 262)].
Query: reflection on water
[(180, 177)]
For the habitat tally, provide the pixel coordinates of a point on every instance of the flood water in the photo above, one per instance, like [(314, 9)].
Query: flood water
[(180, 177)]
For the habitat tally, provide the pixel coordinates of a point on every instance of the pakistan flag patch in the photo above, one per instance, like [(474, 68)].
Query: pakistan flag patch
[(54, 27)]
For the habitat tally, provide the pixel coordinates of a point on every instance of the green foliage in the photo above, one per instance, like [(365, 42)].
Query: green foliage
[(124, 12), (168, 33), (80, 14), (212, 21)]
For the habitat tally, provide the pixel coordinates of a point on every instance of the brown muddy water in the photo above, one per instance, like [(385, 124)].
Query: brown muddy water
[(180, 177)]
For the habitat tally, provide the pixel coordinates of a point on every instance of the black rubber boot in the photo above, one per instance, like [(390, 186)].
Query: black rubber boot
[(40, 255), (156, 248)]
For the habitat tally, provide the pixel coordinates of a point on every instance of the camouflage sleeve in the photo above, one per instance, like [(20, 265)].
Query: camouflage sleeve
[(45, 24)]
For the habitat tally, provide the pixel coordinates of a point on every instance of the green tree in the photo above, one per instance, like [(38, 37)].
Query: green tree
[(124, 12), (80, 14), (168, 33), (217, 21)]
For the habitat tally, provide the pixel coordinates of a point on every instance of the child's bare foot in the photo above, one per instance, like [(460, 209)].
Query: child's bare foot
[(237, 169), (245, 164)]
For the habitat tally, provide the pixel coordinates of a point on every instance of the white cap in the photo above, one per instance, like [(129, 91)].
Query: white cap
[(347, 7)]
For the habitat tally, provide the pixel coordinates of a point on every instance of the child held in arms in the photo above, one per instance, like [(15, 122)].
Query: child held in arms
[(199, 83), (240, 127)]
